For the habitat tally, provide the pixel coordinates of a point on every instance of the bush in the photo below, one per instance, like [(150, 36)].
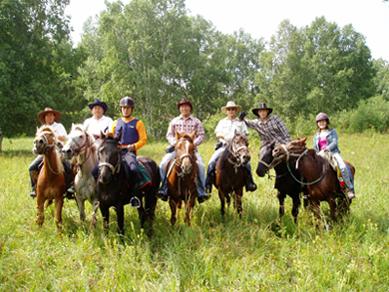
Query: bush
[(371, 114)]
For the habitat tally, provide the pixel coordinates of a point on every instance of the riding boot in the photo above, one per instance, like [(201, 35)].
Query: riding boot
[(162, 192), (210, 180), (33, 174), (250, 185), (69, 180)]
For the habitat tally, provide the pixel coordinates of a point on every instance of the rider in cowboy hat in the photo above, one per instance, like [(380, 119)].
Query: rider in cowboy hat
[(51, 117), (98, 123), (269, 127), (184, 123), (132, 136), (225, 131), (326, 139)]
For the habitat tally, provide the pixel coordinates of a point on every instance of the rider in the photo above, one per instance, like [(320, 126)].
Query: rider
[(98, 123), (184, 123), (326, 139), (225, 131), (132, 136), (269, 127), (51, 117)]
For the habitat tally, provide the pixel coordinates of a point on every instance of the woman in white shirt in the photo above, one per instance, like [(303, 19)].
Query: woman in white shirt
[(225, 131), (98, 123)]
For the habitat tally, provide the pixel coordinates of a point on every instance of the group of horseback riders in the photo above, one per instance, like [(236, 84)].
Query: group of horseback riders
[(131, 134)]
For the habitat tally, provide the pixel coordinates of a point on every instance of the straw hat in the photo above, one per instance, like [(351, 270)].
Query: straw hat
[(230, 104), (47, 110)]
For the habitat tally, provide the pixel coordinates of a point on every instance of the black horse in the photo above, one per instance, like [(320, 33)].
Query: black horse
[(114, 187), (284, 183)]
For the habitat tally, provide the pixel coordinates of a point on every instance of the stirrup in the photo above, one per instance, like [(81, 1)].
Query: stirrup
[(135, 202)]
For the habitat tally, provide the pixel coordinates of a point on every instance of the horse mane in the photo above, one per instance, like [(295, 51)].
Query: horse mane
[(187, 137), (45, 128)]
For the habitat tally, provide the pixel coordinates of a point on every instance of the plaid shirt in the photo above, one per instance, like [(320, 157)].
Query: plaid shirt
[(185, 125), (272, 129)]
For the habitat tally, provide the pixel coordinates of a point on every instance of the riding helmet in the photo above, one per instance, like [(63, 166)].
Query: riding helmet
[(322, 117), (127, 101)]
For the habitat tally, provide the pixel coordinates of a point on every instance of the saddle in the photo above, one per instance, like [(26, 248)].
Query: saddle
[(327, 155)]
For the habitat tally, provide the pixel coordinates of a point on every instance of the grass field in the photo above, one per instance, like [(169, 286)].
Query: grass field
[(248, 254)]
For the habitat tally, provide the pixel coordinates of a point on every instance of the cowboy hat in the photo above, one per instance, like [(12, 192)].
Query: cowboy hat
[(99, 103), (184, 101), (262, 106), (47, 110), (230, 104)]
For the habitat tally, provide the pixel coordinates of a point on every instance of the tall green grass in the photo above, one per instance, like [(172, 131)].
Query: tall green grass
[(256, 252)]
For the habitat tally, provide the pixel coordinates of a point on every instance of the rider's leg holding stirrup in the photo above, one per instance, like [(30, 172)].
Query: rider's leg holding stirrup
[(250, 184)]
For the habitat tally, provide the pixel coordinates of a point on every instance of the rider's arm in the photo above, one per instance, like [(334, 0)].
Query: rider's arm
[(171, 134), (200, 134), (140, 126), (113, 127), (333, 137)]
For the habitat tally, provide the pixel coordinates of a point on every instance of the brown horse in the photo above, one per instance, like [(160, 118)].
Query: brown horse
[(230, 172), (318, 176), (51, 178), (182, 177)]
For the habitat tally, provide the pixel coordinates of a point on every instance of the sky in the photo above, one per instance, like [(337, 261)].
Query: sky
[(261, 18)]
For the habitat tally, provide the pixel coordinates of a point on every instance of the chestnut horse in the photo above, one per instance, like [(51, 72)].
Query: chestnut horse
[(114, 187), (81, 146), (318, 176), (51, 179), (231, 173), (284, 182), (182, 177)]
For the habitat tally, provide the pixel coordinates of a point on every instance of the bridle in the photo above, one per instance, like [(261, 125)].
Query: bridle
[(235, 159), (46, 143), (178, 161), (113, 168)]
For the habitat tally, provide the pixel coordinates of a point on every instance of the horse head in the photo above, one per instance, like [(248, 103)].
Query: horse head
[(185, 152), (78, 140), (239, 150), (265, 159), (44, 140), (109, 157), (282, 151)]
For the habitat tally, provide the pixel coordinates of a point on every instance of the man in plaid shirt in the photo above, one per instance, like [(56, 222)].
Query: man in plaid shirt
[(270, 128), (184, 123)]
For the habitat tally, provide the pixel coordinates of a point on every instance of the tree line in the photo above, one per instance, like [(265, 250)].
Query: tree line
[(156, 52)]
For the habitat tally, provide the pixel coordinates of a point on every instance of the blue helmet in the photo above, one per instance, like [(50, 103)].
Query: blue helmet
[(127, 101)]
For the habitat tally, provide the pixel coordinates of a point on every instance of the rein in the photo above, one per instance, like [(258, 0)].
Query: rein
[(236, 163), (297, 163), (114, 169)]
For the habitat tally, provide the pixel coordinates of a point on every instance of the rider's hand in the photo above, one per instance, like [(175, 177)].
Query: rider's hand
[(131, 148), (242, 116)]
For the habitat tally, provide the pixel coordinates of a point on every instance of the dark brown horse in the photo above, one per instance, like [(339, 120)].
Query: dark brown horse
[(182, 177), (51, 179), (318, 176), (114, 187), (284, 183), (231, 173)]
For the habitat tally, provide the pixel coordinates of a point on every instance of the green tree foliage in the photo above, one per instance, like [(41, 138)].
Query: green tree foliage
[(37, 62), (320, 67), (154, 51), (382, 78)]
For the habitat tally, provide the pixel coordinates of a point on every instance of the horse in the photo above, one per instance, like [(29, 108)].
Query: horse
[(284, 182), (51, 178), (318, 176), (81, 147), (231, 173), (182, 177), (114, 188)]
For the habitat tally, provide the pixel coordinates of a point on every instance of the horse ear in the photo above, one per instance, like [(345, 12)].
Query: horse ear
[(304, 140), (102, 135), (192, 135), (178, 135)]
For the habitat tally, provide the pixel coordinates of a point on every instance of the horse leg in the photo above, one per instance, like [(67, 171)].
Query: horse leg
[(142, 215), (96, 205), (58, 211), (173, 209), (105, 214), (120, 219), (332, 203), (238, 199), (81, 206), (222, 203), (296, 206), (40, 203), (281, 200), (188, 208)]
